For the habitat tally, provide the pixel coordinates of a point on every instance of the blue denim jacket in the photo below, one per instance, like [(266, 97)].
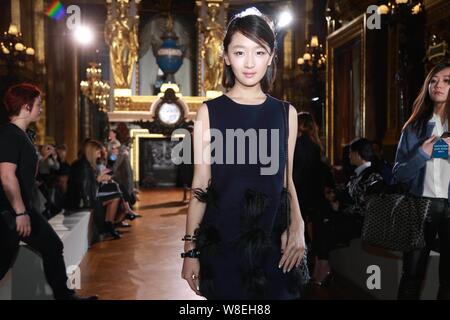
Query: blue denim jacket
[(410, 160)]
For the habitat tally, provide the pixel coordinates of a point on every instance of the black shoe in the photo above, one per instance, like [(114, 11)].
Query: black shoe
[(115, 234), (131, 216), (112, 231)]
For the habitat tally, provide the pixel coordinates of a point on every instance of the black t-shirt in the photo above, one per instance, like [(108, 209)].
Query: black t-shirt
[(17, 148)]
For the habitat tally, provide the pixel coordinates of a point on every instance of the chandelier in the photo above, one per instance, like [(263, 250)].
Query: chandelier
[(12, 48), (94, 88), (396, 7), (313, 59)]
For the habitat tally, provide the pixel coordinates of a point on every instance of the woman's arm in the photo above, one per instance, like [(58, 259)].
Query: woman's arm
[(196, 209), (296, 217), (202, 171), (408, 162), (11, 186), (292, 245)]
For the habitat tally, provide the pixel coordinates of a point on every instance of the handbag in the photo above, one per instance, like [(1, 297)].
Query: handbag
[(108, 189), (395, 220), (285, 202)]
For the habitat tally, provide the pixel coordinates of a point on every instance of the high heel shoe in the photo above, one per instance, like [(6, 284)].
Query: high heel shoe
[(131, 215), (112, 231)]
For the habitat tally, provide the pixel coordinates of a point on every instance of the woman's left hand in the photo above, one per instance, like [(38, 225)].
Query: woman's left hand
[(293, 248)]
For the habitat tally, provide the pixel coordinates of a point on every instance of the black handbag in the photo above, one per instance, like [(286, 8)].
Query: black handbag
[(395, 220), (285, 201)]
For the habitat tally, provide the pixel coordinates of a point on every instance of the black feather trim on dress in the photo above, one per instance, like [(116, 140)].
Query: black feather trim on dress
[(254, 242), (209, 195), (207, 241)]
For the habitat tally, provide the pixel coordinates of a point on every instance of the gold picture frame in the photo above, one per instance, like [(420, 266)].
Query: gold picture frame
[(351, 37)]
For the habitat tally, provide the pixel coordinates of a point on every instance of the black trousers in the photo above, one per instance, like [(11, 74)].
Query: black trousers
[(415, 262), (44, 240)]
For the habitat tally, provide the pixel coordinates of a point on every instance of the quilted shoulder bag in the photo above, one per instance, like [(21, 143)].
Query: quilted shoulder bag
[(395, 220)]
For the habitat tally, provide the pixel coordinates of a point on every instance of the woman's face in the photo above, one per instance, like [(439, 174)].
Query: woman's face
[(115, 150), (248, 59), (439, 86), (98, 153), (112, 135)]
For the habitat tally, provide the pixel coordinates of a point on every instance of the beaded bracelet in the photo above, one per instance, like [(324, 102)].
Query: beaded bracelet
[(188, 237), (194, 253)]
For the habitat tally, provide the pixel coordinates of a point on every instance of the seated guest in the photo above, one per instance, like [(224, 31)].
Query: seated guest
[(84, 181), (64, 167), (342, 214), (382, 165), (119, 162), (111, 189), (48, 163)]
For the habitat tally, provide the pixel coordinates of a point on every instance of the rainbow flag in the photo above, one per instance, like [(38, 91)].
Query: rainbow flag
[(56, 10)]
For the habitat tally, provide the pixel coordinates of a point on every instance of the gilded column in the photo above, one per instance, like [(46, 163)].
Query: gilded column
[(15, 13), (122, 38), (39, 45), (71, 113), (211, 28)]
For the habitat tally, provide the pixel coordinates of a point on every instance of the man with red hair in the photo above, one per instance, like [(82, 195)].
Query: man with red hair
[(18, 167)]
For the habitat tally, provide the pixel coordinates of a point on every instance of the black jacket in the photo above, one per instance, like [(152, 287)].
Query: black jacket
[(82, 186)]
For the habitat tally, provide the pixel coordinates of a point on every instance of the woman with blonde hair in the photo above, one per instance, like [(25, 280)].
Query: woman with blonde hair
[(83, 187)]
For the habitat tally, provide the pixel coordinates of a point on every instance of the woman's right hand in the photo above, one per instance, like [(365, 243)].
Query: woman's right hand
[(103, 178), (190, 273), (23, 226), (105, 171), (427, 146)]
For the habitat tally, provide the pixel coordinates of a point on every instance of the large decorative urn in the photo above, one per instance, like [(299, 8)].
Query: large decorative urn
[(169, 56)]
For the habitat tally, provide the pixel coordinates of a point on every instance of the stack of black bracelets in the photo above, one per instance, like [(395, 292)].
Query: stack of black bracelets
[(194, 253)]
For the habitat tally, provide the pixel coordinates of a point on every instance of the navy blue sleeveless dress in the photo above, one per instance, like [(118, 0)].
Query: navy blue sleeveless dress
[(239, 236)]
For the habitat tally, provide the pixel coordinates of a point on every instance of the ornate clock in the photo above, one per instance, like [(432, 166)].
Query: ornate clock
[(169, 115)]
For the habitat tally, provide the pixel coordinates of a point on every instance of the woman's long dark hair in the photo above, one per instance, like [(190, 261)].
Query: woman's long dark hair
[(423, 105), (257, 29), (307, 125)]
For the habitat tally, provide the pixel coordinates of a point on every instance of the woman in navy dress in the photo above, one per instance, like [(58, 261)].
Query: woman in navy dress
[(238, 243)]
